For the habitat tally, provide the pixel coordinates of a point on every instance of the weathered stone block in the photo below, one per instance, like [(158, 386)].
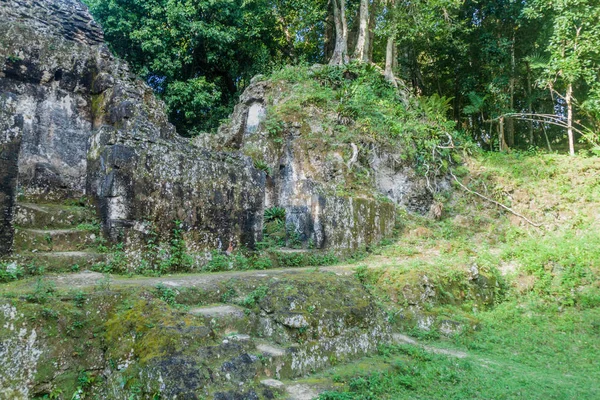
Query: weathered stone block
[(67, 100), (8, 192)]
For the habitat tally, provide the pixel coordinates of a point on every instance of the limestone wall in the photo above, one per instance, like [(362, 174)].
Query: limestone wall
[(76, 122)]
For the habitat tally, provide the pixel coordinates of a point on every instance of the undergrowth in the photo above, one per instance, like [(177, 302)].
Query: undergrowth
[(360, 106), (539, 339)]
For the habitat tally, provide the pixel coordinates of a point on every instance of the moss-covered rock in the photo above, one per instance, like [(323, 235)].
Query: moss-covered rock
[(117, 342), (434, 299), (330, 198)]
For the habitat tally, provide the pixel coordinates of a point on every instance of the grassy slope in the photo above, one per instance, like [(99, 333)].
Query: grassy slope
[(542, 340)]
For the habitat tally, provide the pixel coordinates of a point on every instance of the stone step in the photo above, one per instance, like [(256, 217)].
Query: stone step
[(274, 387), (66, 261), (218, 311), (43, 216), (300, 392), (227, 319), (270, 350), (61, 240), (277, 360)]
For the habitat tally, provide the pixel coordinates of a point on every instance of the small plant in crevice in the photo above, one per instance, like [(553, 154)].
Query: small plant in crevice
[(33, 269), (263, 166), (229, 295), (254, 297), (295, 239), (117, 262), (85, 381), (79, 298), (167, 294), (179, 259), (13, 59), (48, 313), (101, 244), (10, 272), (103, 284), (361, 273), (91, 227), (275, 214), (43, 291), (274, 126)]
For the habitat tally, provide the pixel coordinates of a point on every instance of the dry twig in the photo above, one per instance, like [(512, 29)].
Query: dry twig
[(510, 210)]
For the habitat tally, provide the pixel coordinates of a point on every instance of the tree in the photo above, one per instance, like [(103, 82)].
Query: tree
[(198, 55), (573, 53), (340, 52), (361, 52)]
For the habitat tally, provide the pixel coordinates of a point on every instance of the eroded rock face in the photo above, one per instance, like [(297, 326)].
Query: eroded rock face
[(305, 175), (46, 69), (10, 144), (146, 185), (46, 65), (83, 125), (76, 122), (306, 158)]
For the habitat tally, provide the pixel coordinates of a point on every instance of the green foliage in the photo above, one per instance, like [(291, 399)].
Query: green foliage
[(274, 127), (199, 55), (86, 381), (484, 55), (190, 101), (79, 299), (361, 273), (255, 296), (104, 283), (368, 111), (275, 214), (10, 272), (117, 260), (91, 227), (178, 259), (562, 265), (166, 294), (263, 166), (510, 357), (13, 59), (305, 259), (43, 291)]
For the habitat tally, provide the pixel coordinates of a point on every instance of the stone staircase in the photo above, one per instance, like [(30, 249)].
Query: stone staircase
[(275, 366), (56, 237)]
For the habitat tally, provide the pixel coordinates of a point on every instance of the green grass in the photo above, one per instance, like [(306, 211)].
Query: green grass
[(529, 351), (541, 339)]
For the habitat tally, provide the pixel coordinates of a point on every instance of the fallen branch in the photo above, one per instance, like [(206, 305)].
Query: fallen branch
[(510, 210)]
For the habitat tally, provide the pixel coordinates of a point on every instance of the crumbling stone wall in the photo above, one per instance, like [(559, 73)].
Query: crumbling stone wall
[(305, 175), (76, 122)]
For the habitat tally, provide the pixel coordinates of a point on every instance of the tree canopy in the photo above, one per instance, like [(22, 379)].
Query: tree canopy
[(518, 73)]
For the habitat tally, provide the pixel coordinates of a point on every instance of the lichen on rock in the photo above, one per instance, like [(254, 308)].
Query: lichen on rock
[(19, 352)]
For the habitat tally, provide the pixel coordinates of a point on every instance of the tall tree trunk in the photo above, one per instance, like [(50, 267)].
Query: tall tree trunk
[(353, 34), (362, 42), (372, 24), (569, 100), (530, 106), (340, 52), (510, 122), (389, 61), (329, 39), (501, 138)]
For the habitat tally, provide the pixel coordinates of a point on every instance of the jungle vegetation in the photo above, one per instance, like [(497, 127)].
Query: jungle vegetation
[(517, 74)]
